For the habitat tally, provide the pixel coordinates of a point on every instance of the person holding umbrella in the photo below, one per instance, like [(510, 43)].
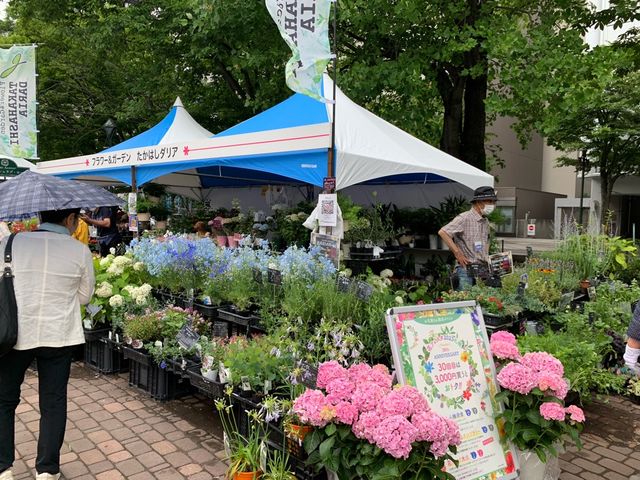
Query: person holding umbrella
[(53, 276)]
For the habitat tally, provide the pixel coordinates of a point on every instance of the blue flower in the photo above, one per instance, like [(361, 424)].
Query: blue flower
[(428, 367)]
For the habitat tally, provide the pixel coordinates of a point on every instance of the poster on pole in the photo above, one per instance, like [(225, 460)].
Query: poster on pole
[(329, 245), (304, 26), (443, 350), (18, 131), (328, 212)]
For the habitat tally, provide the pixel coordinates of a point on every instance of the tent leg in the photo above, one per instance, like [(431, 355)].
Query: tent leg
[(134, 189)]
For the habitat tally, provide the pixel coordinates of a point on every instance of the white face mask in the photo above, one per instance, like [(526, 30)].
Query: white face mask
[(487, 209)]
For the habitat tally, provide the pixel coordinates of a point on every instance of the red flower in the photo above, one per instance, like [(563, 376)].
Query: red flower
[(467, 395), (510, 465)]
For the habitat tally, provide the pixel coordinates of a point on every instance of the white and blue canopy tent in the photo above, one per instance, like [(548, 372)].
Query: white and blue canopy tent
[(284, 145)]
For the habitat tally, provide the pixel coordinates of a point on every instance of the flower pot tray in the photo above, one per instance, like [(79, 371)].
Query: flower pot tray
[(210, 312), (207, 387), (241, 319), (95, 334), (179, 367), (492, 320)]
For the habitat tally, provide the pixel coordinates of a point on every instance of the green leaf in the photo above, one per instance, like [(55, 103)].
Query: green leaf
[(312, 440), (326, 447), (330, 429)]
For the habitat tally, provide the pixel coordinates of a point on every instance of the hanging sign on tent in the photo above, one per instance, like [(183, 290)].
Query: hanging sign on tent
[(304, 25), (443, 350), (18, 132)]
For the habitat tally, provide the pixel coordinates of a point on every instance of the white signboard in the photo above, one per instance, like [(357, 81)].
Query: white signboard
[(443, 350), (328, 212)]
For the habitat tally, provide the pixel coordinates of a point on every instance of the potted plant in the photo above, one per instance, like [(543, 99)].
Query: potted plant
[(278, 467), (535, 419), (143, 207), (633, 390), (160, 213), (362, 432), (211, 354), (243, 451)]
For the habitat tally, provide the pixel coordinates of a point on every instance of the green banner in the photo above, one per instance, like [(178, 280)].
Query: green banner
[(304, 25), (18, 131), (8, 168)]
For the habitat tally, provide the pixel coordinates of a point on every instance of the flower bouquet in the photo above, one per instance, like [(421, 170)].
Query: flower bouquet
[(365, 428), (535, 419)]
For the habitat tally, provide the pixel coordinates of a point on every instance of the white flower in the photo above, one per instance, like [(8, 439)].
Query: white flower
[(399, 300), (141, 300), (104, 290), (116, 301), (138, 266), (386, 273), (115, 270), (122, 261), (146, 288), (112, 251), (105, 262), (346, 272)]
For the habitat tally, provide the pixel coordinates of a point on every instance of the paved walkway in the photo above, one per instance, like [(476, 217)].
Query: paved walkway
[(114, 432)]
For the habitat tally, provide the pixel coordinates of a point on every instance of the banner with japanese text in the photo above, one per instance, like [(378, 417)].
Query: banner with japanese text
[(18, 131), (304, 25)]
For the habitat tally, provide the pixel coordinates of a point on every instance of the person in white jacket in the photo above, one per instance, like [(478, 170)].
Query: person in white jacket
[(53, 276)]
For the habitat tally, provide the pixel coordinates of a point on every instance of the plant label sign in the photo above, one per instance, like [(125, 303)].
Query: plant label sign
[(443, 350), (187, 337), (274, 276), (257, 275), (329, 246), (343, 283), (363, 290)]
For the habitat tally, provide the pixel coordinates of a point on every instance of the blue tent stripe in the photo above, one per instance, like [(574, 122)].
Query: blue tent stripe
[(296, 111), (150, 137)]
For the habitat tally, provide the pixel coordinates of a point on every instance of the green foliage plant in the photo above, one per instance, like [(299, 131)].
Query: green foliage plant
[(145, 327), (278, 467)]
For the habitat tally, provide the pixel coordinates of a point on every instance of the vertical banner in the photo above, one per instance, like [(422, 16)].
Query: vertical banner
[(18, 132), (443, 350), (304, 25)]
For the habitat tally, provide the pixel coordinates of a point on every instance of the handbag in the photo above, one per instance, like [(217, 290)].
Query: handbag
[(8, 306)]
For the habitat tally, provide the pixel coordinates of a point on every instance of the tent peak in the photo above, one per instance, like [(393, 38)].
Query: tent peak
[(178, 103)]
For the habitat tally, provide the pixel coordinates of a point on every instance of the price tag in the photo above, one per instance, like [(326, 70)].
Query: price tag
[(274, 276), (187, 337), (246, 386)]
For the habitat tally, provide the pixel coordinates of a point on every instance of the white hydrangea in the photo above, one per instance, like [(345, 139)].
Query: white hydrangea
[(115, 269), (399, 300), (112, 250), (386, 273), (104, 290), (116, 301), (146, 288), (105, 262), (138, 266), (122, 261), (128, 289)]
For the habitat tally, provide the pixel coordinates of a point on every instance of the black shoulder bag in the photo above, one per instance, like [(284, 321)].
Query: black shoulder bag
[(8, 307)]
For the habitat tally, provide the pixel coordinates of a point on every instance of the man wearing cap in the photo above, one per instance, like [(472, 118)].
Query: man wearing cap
[(467, 235)]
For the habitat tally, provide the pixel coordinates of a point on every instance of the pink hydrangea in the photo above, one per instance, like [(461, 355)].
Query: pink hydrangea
[(439, 448), (367, 395), (543, 362), (346, 413), (359, 372), (502, 336), (329, 371), (380, 375), (576, 414), (394, 403), (518, 378), (340, 388), (552, 411), (417, 399), (431, 427), (394, 435), (311, 408), (365, 425), (505, 350), (552, 382), (454, 432)]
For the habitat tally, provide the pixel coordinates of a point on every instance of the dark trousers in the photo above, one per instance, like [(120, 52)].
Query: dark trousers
[(54, 365)]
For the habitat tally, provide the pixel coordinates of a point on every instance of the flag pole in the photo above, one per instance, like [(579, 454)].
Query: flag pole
[(331, 157)]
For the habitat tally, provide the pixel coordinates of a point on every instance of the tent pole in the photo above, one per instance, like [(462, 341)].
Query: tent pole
[(331, 157), (134, 189)]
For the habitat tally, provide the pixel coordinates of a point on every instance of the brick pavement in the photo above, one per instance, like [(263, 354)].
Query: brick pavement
[(115, 432)]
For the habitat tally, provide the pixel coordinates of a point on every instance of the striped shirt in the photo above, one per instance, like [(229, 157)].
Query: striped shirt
[(470, 233)]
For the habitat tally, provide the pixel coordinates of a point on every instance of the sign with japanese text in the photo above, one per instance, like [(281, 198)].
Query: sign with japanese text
[(443, 350), (18, 131)]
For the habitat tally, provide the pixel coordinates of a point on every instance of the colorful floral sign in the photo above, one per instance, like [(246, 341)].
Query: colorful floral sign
[(442, 350)]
